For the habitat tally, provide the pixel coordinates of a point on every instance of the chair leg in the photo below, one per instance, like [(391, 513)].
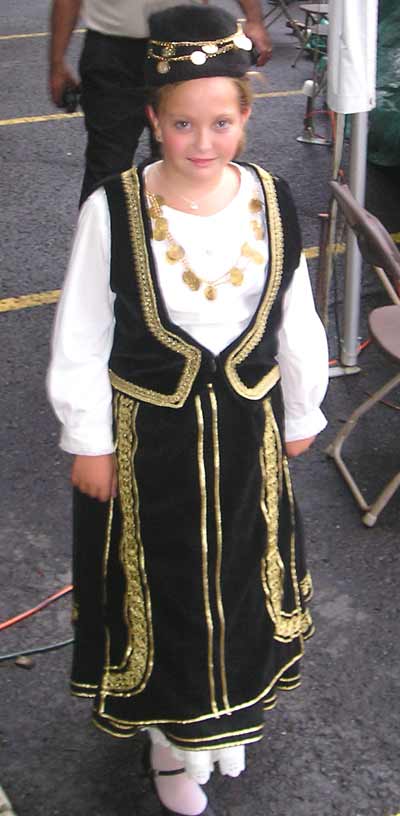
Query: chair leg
[(334, 451), (381, 501)]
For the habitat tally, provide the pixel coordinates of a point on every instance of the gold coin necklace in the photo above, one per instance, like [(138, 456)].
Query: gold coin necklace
[(176, 254)]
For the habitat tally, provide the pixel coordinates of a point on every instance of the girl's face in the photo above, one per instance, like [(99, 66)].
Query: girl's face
[(200, 124)]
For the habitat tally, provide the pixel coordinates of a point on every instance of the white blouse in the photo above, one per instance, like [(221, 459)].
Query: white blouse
[(78, 381)]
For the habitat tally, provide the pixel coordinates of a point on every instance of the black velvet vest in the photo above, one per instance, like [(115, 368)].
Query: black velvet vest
[(155, 361)]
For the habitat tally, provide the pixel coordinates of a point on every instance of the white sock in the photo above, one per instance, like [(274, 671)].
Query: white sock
[(179, 792)]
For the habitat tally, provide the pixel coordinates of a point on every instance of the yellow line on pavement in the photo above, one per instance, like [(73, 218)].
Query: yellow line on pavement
[(35, 34), (50, 117), (13, 304), (270, 94), (54, 117), (313, 252)]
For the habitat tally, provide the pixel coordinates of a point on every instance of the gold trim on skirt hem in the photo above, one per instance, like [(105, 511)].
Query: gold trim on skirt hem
[(219, 712), (216, 736), (88, 694)]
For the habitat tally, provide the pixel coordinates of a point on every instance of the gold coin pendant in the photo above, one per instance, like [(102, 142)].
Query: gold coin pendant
[(257, 257), (160, 229), (255, 205), (246, 250), (191, 280), (210, 292), (236, 276), (257, 230), (174, 253)]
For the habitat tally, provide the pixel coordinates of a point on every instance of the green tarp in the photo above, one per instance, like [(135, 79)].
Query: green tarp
[(384, 120)]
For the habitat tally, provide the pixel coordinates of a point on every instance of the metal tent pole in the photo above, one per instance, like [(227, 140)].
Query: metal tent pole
[(326, 266), (353, 264)]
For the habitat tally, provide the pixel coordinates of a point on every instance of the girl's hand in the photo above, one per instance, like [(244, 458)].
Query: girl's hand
[(298, 446), (96, 476)]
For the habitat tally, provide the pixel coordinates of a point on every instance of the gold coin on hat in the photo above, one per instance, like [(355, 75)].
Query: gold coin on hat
[(198, 58), (241, 41), (163, 67), (210, 48)]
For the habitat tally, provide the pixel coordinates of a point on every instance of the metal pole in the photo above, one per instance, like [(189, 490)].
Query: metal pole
[(328, 252), (353, 264)]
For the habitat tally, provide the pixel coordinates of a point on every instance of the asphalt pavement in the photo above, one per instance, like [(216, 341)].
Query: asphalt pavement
[(332, 747)]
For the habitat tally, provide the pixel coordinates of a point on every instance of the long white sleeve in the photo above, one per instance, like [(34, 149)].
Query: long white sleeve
[(77, 381), (303, 359)]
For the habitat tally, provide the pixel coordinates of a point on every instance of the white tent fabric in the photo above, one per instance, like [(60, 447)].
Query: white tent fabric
[(352, 55)]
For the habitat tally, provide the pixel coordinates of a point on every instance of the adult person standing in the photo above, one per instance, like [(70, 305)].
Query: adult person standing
[(111, 70)]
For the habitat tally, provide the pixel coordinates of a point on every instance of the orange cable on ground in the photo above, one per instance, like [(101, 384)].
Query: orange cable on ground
[(23, 615)]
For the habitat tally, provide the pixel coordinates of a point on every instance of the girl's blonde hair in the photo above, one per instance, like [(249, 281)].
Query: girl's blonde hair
[(158, 96)]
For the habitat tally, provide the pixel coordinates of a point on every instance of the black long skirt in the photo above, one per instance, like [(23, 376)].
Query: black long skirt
[(190, 588)]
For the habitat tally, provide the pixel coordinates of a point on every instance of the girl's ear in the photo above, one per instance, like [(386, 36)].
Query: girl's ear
[(246, 115), (155, 125), (150, 115)]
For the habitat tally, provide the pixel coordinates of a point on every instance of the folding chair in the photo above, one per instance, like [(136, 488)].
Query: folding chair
[(379, 250), (279, 9), (316, 15)]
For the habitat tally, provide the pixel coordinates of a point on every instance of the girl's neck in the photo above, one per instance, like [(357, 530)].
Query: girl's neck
[(205, 197)]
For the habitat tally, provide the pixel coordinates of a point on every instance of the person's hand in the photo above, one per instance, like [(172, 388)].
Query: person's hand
[(96, 476), (261, 40), (298, 446), (60, 76)]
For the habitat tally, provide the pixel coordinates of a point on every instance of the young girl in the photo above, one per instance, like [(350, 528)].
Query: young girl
[(188, 362)]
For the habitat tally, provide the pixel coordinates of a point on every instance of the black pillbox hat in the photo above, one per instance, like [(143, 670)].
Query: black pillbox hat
[(191, 42)]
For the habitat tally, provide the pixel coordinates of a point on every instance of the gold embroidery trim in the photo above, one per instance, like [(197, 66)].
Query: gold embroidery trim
[(208, 716), (192, 355), (287, 625), (296, 677), (131, 676), (268, 706), (218, 524), (216, 736), (114, 733), (254, 335), (204, 547), (302, 620), (306, 587), (80, 685), (272, 568), (86, 694), (114, 726)]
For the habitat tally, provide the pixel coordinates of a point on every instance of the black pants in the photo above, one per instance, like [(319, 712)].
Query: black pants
[(113, 98)]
